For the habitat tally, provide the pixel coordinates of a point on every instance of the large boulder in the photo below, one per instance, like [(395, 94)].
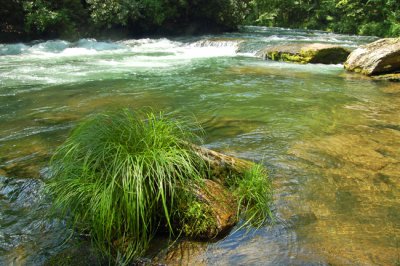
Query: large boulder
[(306, 53), (379, 57)]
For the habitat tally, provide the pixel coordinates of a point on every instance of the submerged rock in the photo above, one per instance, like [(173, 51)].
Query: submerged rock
[(379, 57), (306, 53), (79, 254), (390, 77), (183, 252)]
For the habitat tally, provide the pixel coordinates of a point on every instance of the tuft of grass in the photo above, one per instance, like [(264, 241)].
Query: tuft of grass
[(116, 178), (122, 176), (254, 193)]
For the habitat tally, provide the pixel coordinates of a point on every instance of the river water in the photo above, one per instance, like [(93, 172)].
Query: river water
[(331, 140)]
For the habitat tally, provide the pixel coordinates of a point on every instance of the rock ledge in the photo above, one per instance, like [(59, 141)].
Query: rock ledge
[(306, 53)]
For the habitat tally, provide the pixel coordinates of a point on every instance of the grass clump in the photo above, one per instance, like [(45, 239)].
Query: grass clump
[(253, 191), (122, 176), (117, 178)]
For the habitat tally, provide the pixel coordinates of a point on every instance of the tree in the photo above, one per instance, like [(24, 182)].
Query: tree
[(54, 18), (366, 17), (11, 20)]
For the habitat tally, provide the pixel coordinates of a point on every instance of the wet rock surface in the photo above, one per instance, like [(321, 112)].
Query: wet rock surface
[(222, 165), (389, 77), (376, 58), (218, 211), (183, 252), (306, 53)]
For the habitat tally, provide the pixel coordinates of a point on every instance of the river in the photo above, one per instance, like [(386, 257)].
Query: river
[(330, 139)]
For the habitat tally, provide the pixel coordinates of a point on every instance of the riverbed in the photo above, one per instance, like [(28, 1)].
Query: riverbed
[(330, 139)]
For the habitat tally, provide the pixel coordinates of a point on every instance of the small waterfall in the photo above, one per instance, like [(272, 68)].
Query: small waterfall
[(218, 42)]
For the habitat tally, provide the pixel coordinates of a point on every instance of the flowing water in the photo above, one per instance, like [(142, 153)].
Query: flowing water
[(331, 140)]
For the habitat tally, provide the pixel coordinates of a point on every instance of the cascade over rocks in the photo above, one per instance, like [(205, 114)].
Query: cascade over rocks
[(306, 53), (379, 57)]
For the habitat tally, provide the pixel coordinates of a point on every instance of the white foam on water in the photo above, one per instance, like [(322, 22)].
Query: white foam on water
[(55, 46), (132, 63), (179, 50), (58, 61)]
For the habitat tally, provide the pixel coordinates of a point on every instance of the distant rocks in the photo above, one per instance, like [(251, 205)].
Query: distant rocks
[(380, 59), (306, 53)]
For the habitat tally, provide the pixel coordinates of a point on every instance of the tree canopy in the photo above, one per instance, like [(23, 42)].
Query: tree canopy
[(364, 17), (30, 19), (72, 18)]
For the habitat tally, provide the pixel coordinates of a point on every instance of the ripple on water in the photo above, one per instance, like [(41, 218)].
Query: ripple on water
[(26, 234), (330, 139), (353, 194)]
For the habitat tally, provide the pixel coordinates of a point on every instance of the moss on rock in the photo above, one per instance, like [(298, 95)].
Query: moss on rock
[(306, 53), (210, 212)]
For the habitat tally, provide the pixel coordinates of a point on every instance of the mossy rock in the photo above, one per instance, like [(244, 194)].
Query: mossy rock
[(316, 53), (209, 213)]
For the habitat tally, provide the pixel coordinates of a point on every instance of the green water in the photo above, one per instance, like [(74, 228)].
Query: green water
[(330, 139)]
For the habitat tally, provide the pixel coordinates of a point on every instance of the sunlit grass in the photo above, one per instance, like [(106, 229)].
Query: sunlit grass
[(121, 176), (253, 191), (117, 176)]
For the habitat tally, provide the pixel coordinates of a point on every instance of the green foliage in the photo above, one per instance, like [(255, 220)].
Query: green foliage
[(74, 18), (366, 17), (151, 14), (40, 17), (254, 193), (54, 18), (122, 176), (196, 218), (281, 13), (112, 12), (394, 29), (117, 178), (11, 20)]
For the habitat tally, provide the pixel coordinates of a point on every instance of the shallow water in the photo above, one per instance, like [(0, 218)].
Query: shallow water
[(330, 139)]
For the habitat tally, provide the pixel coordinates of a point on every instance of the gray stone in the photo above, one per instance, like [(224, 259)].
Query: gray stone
[(379, 57)]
